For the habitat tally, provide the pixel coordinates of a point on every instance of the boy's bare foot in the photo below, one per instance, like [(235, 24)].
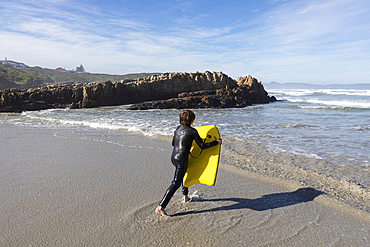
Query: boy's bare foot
[(159, 210), (186, 199)]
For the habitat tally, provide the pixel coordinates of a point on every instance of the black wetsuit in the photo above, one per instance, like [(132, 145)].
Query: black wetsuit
[(181, 142)]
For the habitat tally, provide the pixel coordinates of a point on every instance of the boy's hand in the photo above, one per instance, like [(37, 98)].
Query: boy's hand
[(218, 140)]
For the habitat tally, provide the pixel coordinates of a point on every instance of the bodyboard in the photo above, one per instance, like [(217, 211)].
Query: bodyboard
[(203, 164)]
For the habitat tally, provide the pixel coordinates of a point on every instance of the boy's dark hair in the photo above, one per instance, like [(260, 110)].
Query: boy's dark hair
[(186, 117)]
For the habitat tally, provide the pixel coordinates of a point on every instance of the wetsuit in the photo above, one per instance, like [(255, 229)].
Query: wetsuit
[(181, 142)]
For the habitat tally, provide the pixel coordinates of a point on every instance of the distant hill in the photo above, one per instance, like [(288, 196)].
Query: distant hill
[(296, 85), (52, 76), (13, 78), (29, 77)]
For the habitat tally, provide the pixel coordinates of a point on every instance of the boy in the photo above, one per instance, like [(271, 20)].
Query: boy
[(181, 142)]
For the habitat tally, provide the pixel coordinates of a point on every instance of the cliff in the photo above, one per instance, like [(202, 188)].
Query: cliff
[(211, 89)]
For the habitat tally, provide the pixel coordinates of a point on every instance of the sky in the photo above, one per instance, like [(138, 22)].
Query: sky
[(316, 41)]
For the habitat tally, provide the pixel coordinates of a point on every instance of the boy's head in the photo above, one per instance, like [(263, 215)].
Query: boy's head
[(187, 117)]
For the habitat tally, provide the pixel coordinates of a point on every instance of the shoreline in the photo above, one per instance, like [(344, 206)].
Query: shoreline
[(67, 187)]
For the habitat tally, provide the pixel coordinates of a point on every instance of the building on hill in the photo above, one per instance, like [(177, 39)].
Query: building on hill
[(13, 63), (60, 69), (80, 69)]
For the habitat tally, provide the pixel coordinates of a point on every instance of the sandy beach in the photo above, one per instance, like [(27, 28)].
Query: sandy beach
[(60, 187)]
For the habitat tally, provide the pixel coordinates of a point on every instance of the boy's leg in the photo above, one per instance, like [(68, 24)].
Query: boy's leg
[(176, 183), (185, 192)]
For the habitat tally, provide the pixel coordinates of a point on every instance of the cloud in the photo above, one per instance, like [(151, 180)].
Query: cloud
[(316, 22), (317, 39), (65, 35)]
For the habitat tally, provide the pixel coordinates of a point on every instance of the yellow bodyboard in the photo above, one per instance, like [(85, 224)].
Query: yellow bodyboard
[(203, 165)]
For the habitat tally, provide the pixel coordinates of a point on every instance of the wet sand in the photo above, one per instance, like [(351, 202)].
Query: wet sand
[(81, 188)]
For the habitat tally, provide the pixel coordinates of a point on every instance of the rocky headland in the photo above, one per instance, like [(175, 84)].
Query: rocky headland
[(168, 90)]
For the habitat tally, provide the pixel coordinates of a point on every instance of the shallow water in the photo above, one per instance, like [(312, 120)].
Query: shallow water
[(318, 137)]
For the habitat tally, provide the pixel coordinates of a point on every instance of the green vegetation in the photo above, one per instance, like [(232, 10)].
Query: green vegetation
[(51, 76), (27, 77), (10, 74)]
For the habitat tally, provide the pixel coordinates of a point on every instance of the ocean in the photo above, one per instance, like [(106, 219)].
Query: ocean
[(318, 137)]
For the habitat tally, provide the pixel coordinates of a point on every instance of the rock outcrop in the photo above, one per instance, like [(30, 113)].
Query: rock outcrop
[(248, 91), (169, 90)]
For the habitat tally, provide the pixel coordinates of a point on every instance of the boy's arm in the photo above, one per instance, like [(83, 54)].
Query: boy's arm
[(200, 142)]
